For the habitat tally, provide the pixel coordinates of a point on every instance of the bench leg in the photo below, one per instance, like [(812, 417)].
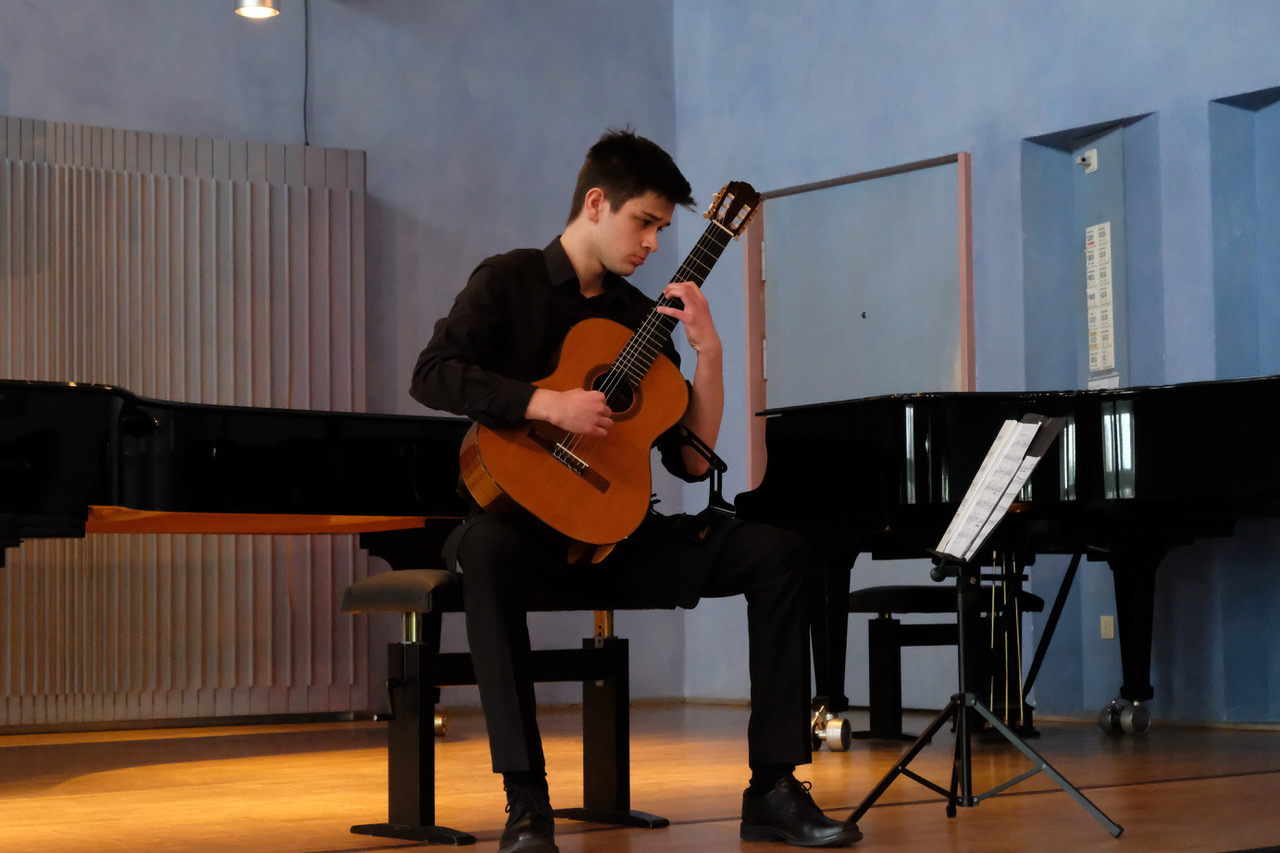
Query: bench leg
[(411, 762), (886, 638), (606, 742), (884, 661)]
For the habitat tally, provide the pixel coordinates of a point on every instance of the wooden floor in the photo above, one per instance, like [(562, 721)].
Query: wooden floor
[(299, 788)]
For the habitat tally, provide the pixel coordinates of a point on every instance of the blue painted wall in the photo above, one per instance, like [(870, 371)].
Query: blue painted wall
[(475, 116), (1245, 142), (785, 94)]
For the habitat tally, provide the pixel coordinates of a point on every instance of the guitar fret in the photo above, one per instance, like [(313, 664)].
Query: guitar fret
[(702, 256), (717, 239)]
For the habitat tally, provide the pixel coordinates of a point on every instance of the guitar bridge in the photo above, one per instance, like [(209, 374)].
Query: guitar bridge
[(570, 460)]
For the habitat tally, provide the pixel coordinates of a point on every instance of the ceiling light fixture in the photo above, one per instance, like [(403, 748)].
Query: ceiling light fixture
[(257, 8)]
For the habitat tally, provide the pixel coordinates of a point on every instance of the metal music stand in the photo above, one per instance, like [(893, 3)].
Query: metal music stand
[(964, 709)]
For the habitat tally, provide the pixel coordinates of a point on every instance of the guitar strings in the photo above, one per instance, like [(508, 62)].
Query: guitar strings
[(646, 344)]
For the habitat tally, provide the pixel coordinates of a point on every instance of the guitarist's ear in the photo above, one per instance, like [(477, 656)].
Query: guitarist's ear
[(593, 204)]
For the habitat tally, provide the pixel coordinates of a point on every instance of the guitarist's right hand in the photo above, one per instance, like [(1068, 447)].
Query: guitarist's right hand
[(579, 410)]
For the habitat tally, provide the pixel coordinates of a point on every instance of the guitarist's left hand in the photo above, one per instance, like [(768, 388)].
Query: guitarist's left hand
[(706, 398), (695, 315)]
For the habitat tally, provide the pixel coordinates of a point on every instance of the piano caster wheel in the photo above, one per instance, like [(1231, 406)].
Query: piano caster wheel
[(834, 731), (442, 723), (1120, 718), (1135, 720)]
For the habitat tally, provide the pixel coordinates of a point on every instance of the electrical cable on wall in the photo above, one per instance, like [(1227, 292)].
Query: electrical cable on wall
[(306, 68)]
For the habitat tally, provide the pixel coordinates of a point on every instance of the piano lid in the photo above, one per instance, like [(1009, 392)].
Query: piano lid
[(1189, 444), (148, 465)]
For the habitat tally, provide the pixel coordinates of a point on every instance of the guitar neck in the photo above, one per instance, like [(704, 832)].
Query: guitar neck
[(695, 268), (704, 255), (637, 357)]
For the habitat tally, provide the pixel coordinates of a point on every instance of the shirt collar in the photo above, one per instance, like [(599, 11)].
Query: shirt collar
[(561, 271)]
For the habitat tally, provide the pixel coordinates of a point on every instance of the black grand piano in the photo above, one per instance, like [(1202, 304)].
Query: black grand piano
[(1134, 473), (77, 459)]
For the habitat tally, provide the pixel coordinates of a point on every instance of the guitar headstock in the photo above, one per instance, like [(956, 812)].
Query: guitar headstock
[(734, 206)]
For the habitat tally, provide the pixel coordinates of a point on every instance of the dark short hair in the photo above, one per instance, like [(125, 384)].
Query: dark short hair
[(625, 166)]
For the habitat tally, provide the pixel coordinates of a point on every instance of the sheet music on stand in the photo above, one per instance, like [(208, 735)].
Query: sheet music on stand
[(1014, 454)]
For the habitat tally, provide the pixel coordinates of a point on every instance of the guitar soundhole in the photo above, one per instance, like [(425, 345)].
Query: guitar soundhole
[(619, 393)]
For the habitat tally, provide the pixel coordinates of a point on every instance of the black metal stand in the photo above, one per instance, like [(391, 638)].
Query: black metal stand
[(606, 740), (417, 669), (411, 757), (961, 710)]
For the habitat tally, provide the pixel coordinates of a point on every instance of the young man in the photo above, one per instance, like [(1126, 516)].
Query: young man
[(504, 333)]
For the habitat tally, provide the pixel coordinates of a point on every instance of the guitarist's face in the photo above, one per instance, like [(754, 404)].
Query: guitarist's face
[(627, 236)]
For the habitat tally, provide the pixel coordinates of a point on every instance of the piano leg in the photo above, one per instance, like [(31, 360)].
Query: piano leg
[(1133, 574), (829, 631)]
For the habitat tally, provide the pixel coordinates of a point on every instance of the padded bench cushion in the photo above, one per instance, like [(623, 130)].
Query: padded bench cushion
[(903, 599), (918, 598), (404, 591)]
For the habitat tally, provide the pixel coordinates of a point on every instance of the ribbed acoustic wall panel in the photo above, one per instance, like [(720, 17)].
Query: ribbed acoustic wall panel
[(191, 270)]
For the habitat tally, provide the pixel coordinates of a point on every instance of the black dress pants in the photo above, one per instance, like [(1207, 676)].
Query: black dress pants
[(663, 564)]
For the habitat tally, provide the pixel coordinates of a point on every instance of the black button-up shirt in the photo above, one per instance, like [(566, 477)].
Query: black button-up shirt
[(504, 333)]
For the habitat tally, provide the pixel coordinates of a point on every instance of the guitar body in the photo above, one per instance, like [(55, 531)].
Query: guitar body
[(594, 491)]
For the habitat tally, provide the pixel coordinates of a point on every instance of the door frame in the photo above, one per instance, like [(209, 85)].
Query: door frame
[(754, 286)]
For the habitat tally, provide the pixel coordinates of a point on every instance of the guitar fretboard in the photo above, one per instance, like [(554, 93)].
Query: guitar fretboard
[(638, 355)]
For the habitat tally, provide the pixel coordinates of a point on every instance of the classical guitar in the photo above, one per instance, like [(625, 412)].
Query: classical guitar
[(596, 491)]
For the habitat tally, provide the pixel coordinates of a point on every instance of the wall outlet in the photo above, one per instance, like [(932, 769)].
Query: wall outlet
[(1108, 627)]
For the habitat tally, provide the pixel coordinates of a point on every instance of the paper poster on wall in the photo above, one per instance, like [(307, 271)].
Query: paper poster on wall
[(1098, 299)]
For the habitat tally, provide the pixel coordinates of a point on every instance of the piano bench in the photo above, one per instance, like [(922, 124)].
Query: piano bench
[(417, 669), (887, 636)]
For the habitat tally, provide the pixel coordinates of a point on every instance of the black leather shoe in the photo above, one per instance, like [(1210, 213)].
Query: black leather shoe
[(787, 813), (530, 827)]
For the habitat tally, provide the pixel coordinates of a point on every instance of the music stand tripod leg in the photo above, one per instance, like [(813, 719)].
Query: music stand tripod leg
[(901, 767), (962, 704), (1041, 766)]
